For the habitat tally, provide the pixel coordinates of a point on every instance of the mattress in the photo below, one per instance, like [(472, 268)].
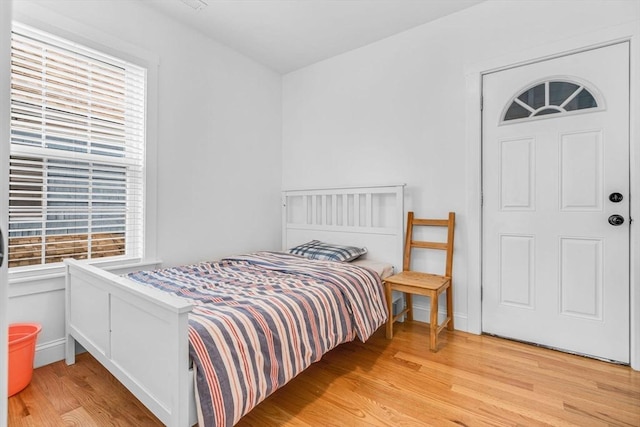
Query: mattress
[(261, 319)]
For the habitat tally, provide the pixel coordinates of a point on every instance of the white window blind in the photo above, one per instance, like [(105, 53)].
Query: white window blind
[(77, 152)]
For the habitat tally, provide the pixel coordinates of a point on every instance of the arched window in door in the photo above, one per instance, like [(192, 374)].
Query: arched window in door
[(550, 97)]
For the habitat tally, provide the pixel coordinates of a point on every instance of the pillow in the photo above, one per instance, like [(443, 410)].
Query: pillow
[(316, 249), (384, 269)]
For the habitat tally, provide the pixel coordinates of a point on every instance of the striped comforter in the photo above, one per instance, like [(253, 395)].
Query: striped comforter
[(260, 319)]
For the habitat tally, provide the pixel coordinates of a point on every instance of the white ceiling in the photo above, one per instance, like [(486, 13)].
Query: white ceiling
[(289, 34)]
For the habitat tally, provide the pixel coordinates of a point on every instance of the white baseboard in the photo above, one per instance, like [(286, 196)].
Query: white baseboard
[(423, 314), (49, 352)]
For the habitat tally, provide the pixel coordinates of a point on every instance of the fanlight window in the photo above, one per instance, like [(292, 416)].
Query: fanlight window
[(550, 97)]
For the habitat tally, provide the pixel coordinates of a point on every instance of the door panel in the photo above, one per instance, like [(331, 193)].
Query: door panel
[(517, 284), (581, 171), (581, 278), (517, 182), (555, 271)]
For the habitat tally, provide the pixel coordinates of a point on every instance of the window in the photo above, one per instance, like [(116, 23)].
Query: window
[(550, 97), (77, 152)]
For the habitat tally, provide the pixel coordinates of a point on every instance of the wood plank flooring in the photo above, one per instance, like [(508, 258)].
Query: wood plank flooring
[(472, 381)]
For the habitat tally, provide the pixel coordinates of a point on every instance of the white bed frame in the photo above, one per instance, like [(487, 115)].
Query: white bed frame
[(140, 334)]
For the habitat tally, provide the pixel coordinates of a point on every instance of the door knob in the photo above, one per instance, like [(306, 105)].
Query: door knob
[(615, 197), (616, 220)]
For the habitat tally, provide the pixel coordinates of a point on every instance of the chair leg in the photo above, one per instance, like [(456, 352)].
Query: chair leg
[(433, 333), (409, 300), (450, 306), (389, 295)]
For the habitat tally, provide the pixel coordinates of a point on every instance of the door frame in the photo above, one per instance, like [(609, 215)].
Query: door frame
[(5, 55), (473, 75)]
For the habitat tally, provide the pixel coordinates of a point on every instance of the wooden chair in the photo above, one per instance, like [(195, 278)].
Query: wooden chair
[(420, 283)]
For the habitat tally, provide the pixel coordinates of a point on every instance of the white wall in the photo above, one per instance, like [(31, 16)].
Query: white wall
[(390, 112), (394, 111), (215, 150), (219, 133)]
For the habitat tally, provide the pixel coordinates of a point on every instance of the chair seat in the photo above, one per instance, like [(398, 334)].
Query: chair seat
[(415, 279)]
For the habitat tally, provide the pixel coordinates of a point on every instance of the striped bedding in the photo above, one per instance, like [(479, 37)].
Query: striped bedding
[(260, 319)]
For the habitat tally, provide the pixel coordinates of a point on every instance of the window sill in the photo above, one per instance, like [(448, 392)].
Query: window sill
[(28, 274)]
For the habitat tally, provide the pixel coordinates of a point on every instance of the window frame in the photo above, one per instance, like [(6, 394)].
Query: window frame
[(91, 38), (556, 78)]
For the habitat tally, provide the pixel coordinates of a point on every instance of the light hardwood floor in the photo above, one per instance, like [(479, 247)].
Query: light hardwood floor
[(472, 381)]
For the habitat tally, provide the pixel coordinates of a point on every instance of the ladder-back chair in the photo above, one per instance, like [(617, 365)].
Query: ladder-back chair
[(421, 283)]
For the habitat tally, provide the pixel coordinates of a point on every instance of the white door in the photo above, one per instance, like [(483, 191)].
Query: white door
[(555, 171)]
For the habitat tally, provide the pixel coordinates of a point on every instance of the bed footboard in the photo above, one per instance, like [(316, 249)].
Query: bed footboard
[(139, 334)]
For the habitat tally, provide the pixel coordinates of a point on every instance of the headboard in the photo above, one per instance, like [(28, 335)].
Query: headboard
[(372, 217)]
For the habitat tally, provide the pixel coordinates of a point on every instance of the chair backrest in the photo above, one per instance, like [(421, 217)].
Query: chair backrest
[(447, 246)]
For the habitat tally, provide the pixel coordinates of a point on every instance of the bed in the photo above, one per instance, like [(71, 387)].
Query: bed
[(141, 333)]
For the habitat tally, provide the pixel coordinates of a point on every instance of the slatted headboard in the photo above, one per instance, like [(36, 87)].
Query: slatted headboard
[(372, 217)]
